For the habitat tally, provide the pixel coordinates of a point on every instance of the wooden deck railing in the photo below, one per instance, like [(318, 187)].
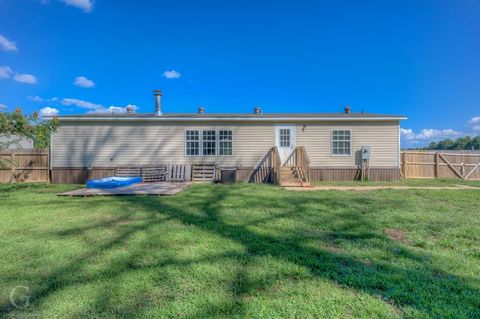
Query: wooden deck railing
[(276, 164), (302, 162)]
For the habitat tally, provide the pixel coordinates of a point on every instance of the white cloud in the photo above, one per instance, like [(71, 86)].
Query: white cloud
[(5, 72), (83, 82), (172, 74), (48, 111), (7, 45), (25, 78), (474, 123), (428, 135), (85, 5), (36, 99), (97, 108), (82, 104), (114, 109), (3, 107), (39, 99)]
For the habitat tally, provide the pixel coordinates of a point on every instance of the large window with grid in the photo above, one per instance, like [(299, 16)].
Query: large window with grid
[(341, 142), (284, 137), (209, 142), (225, 142), (192, 143)]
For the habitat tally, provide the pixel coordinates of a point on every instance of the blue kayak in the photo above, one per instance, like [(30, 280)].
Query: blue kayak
[(112, 182)]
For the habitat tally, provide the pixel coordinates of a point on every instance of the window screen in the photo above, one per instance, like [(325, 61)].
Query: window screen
[(209, 142), (225, 141), (341, 142), (192, 140)]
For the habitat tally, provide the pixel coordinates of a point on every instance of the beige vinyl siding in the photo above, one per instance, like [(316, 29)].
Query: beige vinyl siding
[(112, 144), (382, 137), (123, 144)]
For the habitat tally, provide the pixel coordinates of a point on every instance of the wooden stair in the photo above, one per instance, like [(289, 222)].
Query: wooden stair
[(293, 176)]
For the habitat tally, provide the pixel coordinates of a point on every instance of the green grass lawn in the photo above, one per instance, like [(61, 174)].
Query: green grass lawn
[(254, 251), (406, 182)]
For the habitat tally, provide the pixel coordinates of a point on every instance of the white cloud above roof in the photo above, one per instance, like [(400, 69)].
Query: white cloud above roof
[(81, 103), (474, 123), (7, 45), (171, 74), (39, 99), (97, 108), (48, 111), (5, 72), (115, 109), (83, 82), (25, 78), (85, 5)]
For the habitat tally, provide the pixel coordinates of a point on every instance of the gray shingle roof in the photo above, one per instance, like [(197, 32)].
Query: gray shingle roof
[(246, 116)]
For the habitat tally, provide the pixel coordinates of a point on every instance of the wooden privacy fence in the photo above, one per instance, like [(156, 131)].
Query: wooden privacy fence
[(418, 164), (24, 165)]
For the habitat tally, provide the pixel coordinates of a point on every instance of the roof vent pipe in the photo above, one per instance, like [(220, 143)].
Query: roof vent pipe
[(257, 110), (130, 109), (158, 101), (347, 109), (201, 110)]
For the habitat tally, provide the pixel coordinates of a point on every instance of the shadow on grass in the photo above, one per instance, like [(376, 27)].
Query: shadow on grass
[(425, 288)]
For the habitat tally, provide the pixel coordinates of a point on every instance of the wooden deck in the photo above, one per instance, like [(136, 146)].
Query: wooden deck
[(162, 188)]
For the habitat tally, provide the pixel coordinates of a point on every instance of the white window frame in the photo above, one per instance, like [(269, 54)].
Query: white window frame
[(218, 142), (200, 142), (332, 141)]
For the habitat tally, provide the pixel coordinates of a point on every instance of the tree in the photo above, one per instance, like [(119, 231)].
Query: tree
[(462, 143), (27, 126)]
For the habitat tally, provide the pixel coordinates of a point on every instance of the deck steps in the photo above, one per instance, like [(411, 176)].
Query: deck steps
[(291, 176)]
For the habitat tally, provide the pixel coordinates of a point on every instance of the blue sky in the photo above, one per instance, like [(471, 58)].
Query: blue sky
[(410, 57)]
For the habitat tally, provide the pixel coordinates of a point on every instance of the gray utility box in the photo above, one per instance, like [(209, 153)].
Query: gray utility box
[(366, 152)]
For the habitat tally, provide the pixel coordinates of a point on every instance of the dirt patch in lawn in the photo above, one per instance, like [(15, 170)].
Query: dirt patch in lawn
[(397, 235)]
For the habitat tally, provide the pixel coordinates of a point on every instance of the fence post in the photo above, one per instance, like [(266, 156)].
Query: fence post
[(12, 167), (436, 164), (404, 155)]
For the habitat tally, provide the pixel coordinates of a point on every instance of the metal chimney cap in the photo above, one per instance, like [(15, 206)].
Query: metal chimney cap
[(257, 110), (347, 109), (201, 110), (157, 92), (130, 109)]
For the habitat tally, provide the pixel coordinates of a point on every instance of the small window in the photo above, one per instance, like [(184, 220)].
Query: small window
[(209, 143), (341, 142), (284, 137), (225, 140), (192, 147)]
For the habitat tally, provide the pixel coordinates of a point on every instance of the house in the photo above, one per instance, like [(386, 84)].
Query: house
[(247, 146), (13, 142)]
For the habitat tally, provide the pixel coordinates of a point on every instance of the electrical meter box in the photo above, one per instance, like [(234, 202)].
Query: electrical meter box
[(366, 152)]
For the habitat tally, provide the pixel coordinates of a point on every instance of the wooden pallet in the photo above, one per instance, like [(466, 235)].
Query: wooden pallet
[(155, 174), (127, 171), (203, 172)]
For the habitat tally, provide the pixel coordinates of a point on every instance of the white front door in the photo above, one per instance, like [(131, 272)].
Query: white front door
[(285, 141)]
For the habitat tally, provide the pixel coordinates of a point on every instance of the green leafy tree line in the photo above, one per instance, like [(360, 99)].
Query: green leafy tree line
[(462, 143), (15, 124), (27, 126)]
